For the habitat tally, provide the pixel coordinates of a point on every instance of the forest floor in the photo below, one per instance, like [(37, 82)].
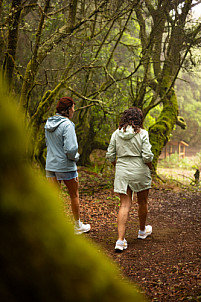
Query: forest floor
[(166, 266)]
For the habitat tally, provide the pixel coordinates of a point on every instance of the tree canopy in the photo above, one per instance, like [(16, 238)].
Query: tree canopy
[(108, 55)]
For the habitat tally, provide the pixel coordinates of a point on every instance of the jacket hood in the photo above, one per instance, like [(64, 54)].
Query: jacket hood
[(53, 122), (128, 134)]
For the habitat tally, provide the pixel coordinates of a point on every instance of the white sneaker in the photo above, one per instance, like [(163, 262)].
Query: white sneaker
[(121, 245), (82, 228), (147, 232)]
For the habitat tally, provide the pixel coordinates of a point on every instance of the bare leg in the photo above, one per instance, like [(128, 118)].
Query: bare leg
[(124, 209), (72, 186), (142, 208)]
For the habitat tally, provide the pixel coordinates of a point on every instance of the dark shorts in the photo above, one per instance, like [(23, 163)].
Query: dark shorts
[(62, 175)]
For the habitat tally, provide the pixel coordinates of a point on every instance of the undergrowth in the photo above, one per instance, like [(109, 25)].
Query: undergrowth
[(173, 161)]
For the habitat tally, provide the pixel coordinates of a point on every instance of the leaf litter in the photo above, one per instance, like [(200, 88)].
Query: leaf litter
[(167, 265)]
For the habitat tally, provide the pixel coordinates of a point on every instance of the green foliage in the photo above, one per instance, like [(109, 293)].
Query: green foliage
[(197, 163), (189, 100), (173, 161), (152, 117), (41, 258)]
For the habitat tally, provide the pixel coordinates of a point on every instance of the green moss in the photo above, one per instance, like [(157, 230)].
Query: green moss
[(160, 132), (41, 258)]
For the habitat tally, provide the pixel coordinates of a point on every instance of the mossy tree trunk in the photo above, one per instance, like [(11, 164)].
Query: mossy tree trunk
[(159, 74), (32, 66), (87, 137), (9, 61), (159, 133), (1, 34), (37, 121)]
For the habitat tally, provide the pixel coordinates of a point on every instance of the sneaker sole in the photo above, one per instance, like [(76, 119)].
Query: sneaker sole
[(81, 232), (120, 248), (145, 236)]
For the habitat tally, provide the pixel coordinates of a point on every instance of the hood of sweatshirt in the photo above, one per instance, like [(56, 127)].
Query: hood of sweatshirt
[(54, 121), (128, 134)]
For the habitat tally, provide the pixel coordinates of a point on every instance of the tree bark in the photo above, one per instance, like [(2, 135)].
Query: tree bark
[(87, 140), (155, 47), (1, 35), (159, 133), (9, 61)]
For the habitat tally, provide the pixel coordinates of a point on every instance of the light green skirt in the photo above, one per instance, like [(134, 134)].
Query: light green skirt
[(131, 172)]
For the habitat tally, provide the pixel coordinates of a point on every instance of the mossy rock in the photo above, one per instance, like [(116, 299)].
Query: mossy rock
[(41, 258)]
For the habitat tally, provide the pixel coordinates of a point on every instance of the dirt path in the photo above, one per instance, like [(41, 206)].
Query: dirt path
[(167, 265)]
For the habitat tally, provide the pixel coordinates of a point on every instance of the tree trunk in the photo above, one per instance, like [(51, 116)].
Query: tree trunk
[(1, 35), (36, 125), (87, 137), (159, 133), (9, 61), (32, 66), (166, 51)]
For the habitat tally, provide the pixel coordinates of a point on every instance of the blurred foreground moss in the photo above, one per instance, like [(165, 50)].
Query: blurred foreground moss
[(40, 257)]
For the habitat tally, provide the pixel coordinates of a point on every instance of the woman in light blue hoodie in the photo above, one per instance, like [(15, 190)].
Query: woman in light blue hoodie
[(62, 155), (130, 152)]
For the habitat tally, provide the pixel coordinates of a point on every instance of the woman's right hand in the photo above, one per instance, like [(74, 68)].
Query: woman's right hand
[(114, 163), (149, 165)]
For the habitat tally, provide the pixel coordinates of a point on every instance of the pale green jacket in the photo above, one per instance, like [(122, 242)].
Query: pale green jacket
[(129, 143), (131, 151)]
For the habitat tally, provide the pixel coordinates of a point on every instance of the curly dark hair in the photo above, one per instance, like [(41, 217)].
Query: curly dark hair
[(63, 105), (132, 116)]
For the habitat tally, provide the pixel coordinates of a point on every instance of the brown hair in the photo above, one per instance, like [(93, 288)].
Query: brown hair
[(132, 116), (63, 105)]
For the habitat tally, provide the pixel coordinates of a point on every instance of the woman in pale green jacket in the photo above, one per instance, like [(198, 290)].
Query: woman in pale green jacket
[(130, 152)]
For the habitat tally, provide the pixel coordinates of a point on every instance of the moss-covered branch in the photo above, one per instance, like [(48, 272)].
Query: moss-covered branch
[(181, 122)]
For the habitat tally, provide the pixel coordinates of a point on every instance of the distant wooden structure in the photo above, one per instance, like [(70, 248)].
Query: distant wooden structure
[(173, 147)]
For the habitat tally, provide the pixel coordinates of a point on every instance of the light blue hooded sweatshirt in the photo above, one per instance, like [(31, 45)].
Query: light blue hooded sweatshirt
[(62, 146)]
